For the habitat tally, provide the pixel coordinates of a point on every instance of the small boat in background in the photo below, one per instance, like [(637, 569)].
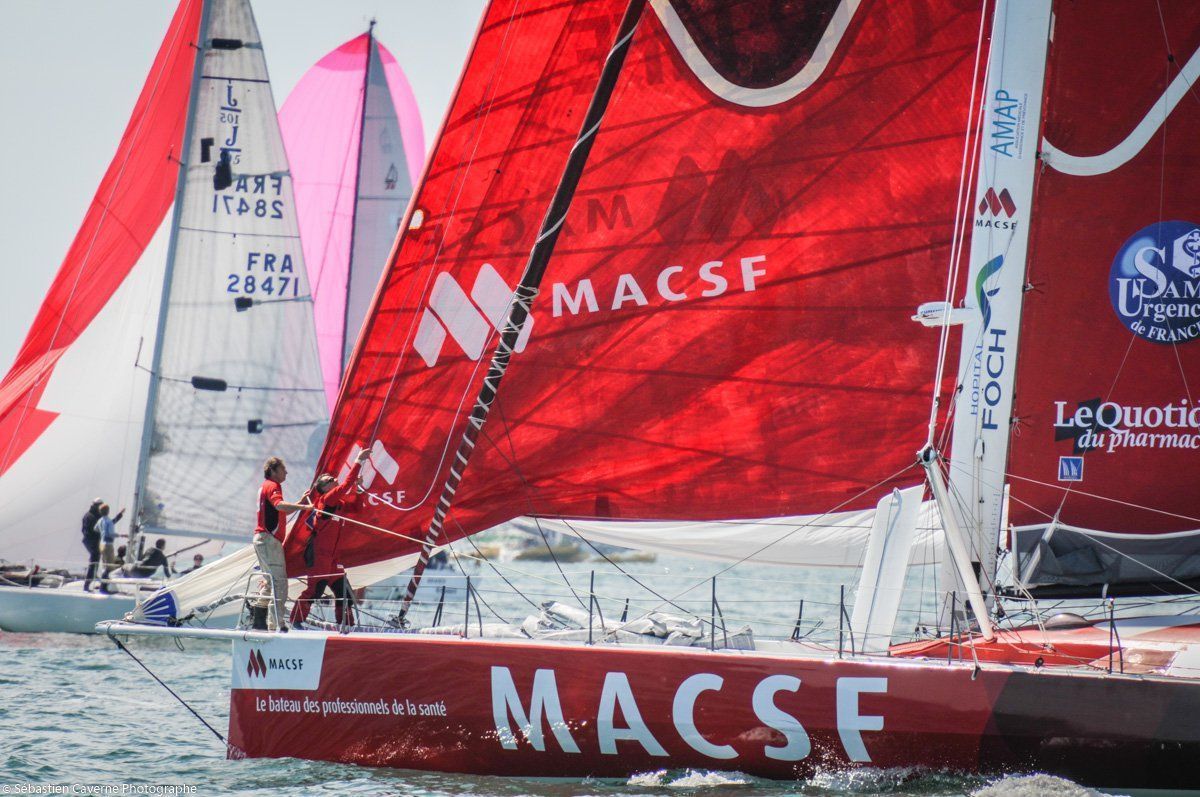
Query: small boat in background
[(191, 356), (354, 140)]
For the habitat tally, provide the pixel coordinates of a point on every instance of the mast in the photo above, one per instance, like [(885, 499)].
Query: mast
[(995, 283), (527, 289), (201, 46), (362, 123)]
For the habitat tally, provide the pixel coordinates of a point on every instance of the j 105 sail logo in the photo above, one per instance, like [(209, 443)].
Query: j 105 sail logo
[(1154, 284)]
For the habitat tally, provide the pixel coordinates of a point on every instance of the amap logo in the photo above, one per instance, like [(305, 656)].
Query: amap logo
[(1154, 284), (469, 320)]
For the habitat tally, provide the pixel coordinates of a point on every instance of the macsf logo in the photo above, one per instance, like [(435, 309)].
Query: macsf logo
[(257, 666), (995, 204), (381, 463), (469, 320)]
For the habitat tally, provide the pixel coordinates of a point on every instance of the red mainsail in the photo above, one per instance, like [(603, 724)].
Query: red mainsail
[(1107, 410), (724, 329), (127, 209)]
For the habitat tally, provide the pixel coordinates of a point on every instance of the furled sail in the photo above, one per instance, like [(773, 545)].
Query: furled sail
[(1105, 446), (71, 404), (723, 331), (236, 375), (355, 144)]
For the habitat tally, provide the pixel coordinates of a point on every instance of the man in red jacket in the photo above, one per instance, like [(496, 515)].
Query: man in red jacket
[(269, 533), (323, 528)]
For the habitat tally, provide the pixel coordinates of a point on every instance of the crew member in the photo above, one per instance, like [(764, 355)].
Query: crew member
[(268, 537), (91, 542), (154, 559), (323, 528), (106, 527)]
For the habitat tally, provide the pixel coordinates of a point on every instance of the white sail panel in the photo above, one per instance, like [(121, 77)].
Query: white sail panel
[(384, 190), (835, 539), (238, 378), (98, 392)]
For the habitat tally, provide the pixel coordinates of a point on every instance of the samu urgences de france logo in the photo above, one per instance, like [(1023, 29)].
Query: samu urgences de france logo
[(1154, 284)]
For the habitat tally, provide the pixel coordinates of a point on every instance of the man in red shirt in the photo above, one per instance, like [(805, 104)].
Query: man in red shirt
[(268, 537), (323, 529)]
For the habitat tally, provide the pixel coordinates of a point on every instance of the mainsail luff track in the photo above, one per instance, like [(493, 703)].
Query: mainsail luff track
[(535, 269)]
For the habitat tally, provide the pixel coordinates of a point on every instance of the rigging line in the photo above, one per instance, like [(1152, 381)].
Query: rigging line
[(961, 208), (1107, 396), (266, 388), (800, 527), (537, 522), (1162, 172), (1118, 501), (182, 702), (87, 255), (492, 565), (362, 130), (961, 501), (528, 493), (407, 538), (483, 600)]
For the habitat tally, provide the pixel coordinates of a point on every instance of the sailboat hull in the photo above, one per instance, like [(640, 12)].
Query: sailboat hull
[(555, 710), (64, 610)]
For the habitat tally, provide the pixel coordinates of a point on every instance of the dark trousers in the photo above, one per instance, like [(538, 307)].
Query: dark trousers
[(342, 603), (93, 549)]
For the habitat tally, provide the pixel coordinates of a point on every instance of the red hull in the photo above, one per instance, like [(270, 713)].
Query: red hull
[(452, 705)]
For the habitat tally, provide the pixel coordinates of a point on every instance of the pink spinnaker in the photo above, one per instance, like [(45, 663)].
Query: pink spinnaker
[(351, 189)]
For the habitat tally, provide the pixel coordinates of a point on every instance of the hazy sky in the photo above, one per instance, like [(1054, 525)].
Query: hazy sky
[(70, 72)]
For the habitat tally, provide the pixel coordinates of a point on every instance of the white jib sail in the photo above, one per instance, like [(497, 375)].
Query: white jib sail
[(238, 377)]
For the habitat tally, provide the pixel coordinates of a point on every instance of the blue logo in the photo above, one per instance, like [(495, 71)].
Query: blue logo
[(160, 608), (1154, 284), (1070, 469), (982, 294)]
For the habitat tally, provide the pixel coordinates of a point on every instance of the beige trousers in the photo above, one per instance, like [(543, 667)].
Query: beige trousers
[(270, 558)]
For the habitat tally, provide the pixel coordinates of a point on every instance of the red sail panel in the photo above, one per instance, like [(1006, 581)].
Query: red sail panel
[(1107, 404), (724, 330), (127, 209)]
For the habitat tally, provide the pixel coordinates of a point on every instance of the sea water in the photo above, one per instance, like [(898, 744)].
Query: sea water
[(77, 714)]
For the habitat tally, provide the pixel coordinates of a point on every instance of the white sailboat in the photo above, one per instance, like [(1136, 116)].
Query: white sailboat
[(193, 230)]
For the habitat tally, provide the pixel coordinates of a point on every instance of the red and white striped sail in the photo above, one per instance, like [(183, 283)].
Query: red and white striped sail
[(70, 418), (104, 359), (1106, 424), (354, 169), (723, 331)]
